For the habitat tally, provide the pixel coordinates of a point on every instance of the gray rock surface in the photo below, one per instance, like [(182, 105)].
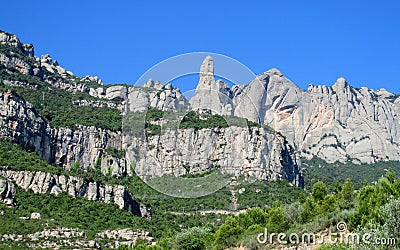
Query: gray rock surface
[(62, 237), (125, 236), (12, 40), (7, 192), (16, 63), (336, 123), (63, 146), (163, 97), (211, 95), (116, 93), (42, 182), (239, 151)]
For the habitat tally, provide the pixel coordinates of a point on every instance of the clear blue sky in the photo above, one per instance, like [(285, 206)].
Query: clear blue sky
[(309, 41)]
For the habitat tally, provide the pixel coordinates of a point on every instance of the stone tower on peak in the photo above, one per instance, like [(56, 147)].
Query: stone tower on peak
[(211, 96)]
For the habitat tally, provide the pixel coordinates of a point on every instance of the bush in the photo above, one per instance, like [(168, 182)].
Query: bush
[(119, 154), (227, 234), (319, 191), (195, 238)]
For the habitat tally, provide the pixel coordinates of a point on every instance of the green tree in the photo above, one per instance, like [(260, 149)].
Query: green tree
[(293, 212), (194, 238), (391, 217), (123, 247), (253, 216), (309, 210), (277, 219), (396, 188), (227, 234), (346, 195), (390, 175), (319, 191), (328, 205)]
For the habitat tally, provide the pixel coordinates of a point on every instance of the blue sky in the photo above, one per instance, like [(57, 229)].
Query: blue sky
[(309, 41)]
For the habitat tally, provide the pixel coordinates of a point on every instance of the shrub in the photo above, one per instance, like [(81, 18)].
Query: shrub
[(195, 238)]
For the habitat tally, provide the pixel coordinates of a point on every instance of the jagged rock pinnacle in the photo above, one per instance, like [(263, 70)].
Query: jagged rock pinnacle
[(206, 74), (207, 67), (211, 95)]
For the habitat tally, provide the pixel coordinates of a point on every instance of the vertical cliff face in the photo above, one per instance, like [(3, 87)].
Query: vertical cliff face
[(251, 152), (42, 183), (237, 151), (63, 146), (334, 123)]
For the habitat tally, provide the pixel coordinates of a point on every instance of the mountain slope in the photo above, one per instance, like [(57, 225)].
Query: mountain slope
[(71, 120)]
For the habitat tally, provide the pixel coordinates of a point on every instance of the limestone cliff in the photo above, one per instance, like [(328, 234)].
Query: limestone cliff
[(239, 151), (334, 123), (42, 183), (63, 146)]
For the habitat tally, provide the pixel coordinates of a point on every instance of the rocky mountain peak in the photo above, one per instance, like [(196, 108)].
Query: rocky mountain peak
[(153, 84), (207, 67), (207, 79), (340, 83), (46, 58), (274, 71), (211, 95), (12, 40), (384, 93)]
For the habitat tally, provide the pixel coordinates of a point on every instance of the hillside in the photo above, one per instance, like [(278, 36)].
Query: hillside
[(92, 166)]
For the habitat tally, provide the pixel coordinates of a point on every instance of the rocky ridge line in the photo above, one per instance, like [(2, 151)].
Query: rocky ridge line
[(73, 237), (337, 123), (42, 183)]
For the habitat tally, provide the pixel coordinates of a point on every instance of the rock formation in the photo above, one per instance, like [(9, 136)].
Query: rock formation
[(211, 95), (62, 237), (334, 123), (156, 95), (63, 146), (7, 192), (23, 60), (42, 183), (124, 236), (239, 151)]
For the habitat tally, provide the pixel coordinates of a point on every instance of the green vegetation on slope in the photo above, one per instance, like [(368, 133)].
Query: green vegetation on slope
[(330, 173), (90, 216), (138, 122), (196, 120), (261, 193), (56, 105), (14, 156), (176, 225), (57, 108), (17, 158)]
